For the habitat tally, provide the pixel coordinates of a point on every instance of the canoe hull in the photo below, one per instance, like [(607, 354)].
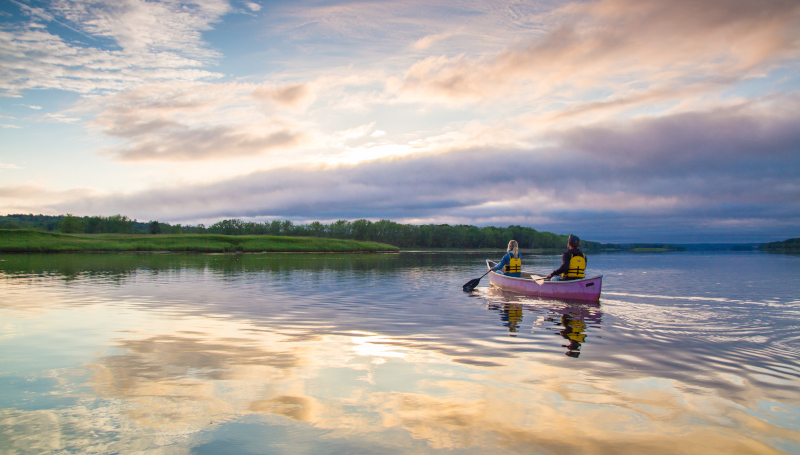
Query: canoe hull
[(585, 289)]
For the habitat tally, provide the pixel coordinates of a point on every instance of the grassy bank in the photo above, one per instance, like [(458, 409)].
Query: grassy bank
[(21, 241)]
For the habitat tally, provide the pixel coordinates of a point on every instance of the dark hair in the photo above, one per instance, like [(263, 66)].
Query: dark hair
[(573, 240)]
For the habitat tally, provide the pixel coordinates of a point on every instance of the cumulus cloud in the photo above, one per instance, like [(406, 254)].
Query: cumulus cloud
[(152, 41), (641, 173), (631, 47)]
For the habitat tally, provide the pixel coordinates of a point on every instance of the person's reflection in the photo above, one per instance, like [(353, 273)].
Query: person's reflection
[(511, 316), (571, 318), (574, 332)]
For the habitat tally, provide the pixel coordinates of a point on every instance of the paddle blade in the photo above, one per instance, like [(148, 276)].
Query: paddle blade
[(470, 285)]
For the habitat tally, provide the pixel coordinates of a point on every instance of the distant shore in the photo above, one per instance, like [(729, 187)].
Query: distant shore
[(23, 241)]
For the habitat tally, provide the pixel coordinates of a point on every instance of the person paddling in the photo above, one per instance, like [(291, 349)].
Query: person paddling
[(511, 263), (573, 263)]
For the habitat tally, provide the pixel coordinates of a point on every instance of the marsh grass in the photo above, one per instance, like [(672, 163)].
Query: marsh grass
[(22, 241)]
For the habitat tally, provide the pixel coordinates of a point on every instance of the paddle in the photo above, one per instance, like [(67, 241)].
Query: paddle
[(470, 285)]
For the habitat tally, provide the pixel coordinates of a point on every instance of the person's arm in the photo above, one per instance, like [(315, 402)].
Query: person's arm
[(564, 265), (502, 263)]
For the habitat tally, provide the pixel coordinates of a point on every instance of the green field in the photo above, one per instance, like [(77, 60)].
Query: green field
[(22, 241)]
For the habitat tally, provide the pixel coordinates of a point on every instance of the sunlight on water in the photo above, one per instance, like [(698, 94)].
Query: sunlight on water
[(385, 354)]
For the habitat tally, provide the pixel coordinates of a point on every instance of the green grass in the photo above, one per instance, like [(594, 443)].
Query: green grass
[(22, 241)]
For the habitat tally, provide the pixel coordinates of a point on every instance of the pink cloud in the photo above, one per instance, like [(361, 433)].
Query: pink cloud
[(625, 47)]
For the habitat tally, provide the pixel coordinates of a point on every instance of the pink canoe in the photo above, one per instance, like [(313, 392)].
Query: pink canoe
[(585, 289)]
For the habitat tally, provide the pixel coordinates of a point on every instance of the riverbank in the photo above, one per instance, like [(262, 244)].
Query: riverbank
[(22, 241)]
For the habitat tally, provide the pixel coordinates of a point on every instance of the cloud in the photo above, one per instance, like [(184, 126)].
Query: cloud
[(253, 6), (181, 143), (152, 41), (61, 118), (619, 49), (716, 138), (30, 198), (298, 96), (354, 133), (370, 31), (9, 166), (148, 26), (674, 171), (429, 40), (188, 121)]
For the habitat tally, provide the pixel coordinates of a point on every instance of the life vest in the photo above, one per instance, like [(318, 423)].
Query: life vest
[(514, 265), (573, 329), (577, 267)]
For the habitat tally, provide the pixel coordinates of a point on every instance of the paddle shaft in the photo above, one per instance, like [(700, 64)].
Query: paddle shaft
[(470, 285)]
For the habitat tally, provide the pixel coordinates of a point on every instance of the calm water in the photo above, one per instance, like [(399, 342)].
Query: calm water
[(345, 354)]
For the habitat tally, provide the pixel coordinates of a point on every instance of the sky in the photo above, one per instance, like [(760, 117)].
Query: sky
[(616, 120)]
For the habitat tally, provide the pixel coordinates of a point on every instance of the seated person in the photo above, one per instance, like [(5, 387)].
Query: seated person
[(573, 263), (511, 263)]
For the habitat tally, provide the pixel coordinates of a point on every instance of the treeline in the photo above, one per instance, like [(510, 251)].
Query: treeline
[(792, 245), (403, 235), (383, 231), (115, 224), (36, 222)]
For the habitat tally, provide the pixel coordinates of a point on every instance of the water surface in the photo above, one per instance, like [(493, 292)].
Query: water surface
[(270, 353)]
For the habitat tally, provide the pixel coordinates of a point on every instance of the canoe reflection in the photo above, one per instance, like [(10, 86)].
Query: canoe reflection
[(568, 318)]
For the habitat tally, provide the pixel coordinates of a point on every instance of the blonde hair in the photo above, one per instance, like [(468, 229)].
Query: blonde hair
[(513, 245)]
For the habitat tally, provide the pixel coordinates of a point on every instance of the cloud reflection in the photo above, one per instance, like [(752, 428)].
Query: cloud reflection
[(172, 374)]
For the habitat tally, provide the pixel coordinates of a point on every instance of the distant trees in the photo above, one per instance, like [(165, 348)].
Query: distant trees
[(384, 231), (30, 221), (155, 227), (791, 245), (71, 224), (402, 235), (115, 224)]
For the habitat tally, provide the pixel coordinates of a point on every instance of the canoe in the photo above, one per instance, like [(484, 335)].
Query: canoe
[(585, 289)]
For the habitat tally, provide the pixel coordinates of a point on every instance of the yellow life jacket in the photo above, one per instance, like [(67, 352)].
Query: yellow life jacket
[(573, 329), (514, 265), (577, 267)]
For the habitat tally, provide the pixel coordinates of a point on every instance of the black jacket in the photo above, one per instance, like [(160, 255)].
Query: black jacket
[(565, 258)]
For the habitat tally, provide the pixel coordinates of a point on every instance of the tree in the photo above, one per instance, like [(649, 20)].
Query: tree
[(71, 224), (155, 228)]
